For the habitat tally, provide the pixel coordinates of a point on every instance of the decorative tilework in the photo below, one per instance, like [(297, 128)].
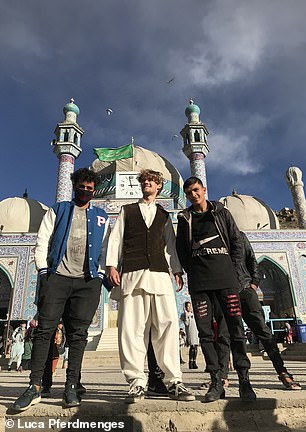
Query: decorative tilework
[(197, 168), (64, 185), (284, 243), (21, 254)]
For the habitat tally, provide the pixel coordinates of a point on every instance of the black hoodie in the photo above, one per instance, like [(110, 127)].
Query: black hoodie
[(230, 237)]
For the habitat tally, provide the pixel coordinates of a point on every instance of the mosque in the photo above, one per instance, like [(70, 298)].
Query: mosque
[(281, 253)]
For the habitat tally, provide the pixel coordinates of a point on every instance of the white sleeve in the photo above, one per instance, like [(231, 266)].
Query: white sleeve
[(43, 238), (104, 245), (170, 248), (115, 243)]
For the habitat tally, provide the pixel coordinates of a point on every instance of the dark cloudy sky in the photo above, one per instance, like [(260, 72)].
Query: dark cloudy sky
[(243, 62)]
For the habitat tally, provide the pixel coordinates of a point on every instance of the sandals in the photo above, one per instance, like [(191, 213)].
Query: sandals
[(289, 383)]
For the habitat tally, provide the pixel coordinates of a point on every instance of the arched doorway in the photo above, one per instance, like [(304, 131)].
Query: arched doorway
[(276, 288), (6, 298), (6, 293)]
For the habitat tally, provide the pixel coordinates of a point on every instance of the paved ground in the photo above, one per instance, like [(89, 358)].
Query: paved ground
[(276, 409)]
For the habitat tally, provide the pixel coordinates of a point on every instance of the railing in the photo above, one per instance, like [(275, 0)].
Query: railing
[(273, 320)]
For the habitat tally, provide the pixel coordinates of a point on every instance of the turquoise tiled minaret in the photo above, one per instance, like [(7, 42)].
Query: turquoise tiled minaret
[(67, 147), (195, 146)]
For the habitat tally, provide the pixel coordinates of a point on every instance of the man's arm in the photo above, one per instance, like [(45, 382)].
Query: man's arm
[(181, 244), (104, 245), (236, 245), (43, 239), (171, 254), (114, 251), (251, 262)]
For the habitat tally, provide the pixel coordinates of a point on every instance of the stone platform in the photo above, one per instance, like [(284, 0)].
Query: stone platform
[(276, 409)]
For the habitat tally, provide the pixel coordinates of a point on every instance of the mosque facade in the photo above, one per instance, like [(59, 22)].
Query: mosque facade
[(281, 254)]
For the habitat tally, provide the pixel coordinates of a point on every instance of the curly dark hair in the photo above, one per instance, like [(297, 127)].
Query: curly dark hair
[(85, 174)]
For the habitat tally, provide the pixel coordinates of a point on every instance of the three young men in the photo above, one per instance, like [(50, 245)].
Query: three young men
[(70, 252)]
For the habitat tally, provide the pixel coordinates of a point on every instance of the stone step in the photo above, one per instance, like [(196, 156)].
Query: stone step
[(108, 340)]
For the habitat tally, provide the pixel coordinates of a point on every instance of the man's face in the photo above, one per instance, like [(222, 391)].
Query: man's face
[(195, 194), (89, 186), (150, 187), (188, 307), (84, 191)]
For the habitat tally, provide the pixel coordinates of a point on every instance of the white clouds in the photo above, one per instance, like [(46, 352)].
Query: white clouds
[(234, 39), (231, 154)]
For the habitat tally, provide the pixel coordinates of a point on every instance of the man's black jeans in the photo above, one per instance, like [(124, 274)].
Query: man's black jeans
[(74, 299), (203, 311), (253, 316)]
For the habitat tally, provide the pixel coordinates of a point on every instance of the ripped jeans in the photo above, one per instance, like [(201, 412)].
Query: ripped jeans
[(203, 307)]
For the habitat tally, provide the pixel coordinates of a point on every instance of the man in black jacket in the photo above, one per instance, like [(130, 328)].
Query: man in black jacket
[(252, 314), (210, 249)]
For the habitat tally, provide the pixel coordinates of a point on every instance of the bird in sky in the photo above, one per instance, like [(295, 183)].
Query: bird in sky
[(174, 136), (170, 80), (109, 111)]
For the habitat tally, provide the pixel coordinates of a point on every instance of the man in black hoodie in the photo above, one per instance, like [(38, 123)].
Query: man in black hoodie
[(210, 250)]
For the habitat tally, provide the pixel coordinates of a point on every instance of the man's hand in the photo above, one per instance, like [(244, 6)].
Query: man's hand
[(113, 276), (253, 286), (179, 281)]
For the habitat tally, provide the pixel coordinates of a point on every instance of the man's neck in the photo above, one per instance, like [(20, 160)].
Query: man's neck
[(83, 207), (201, 208), (148, 199)]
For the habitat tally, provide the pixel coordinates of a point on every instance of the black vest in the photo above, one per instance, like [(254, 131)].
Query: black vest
[(143, 247)]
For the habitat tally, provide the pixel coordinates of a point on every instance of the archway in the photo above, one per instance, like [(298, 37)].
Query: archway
[(276, 288), (6, 293), (6, 298)]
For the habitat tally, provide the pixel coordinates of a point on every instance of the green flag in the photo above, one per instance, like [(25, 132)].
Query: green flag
[(112, 154)]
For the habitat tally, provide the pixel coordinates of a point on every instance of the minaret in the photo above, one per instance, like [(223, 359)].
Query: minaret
[(294, 181), (195, 142), (67, 147)]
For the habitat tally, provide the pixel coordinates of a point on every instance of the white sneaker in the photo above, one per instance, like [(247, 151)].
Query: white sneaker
[(135, 394)]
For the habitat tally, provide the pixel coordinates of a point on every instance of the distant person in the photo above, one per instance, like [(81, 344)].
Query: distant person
[(182, 341), (70, 258), (28, 346), (17, 346), (192, 339), (7, 339), (58, 345)]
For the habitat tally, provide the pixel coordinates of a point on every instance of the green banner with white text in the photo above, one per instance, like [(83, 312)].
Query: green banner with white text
[(113, 154)]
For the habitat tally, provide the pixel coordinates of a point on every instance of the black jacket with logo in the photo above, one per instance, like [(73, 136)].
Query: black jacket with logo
[(226, 228)]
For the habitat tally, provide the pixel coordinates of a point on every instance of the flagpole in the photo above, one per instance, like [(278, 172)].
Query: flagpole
[(132, 142)]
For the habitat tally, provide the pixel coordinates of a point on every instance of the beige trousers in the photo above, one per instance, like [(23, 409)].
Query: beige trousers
[(140, 312)]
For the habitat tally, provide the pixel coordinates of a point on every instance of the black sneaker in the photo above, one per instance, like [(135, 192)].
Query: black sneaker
[(30, 397), (80, 389), (70, 396), (179, 392), (135, 394), (157, 389), (45, 392)]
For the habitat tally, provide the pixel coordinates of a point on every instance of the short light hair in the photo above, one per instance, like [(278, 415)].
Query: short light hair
[(148, 174)]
